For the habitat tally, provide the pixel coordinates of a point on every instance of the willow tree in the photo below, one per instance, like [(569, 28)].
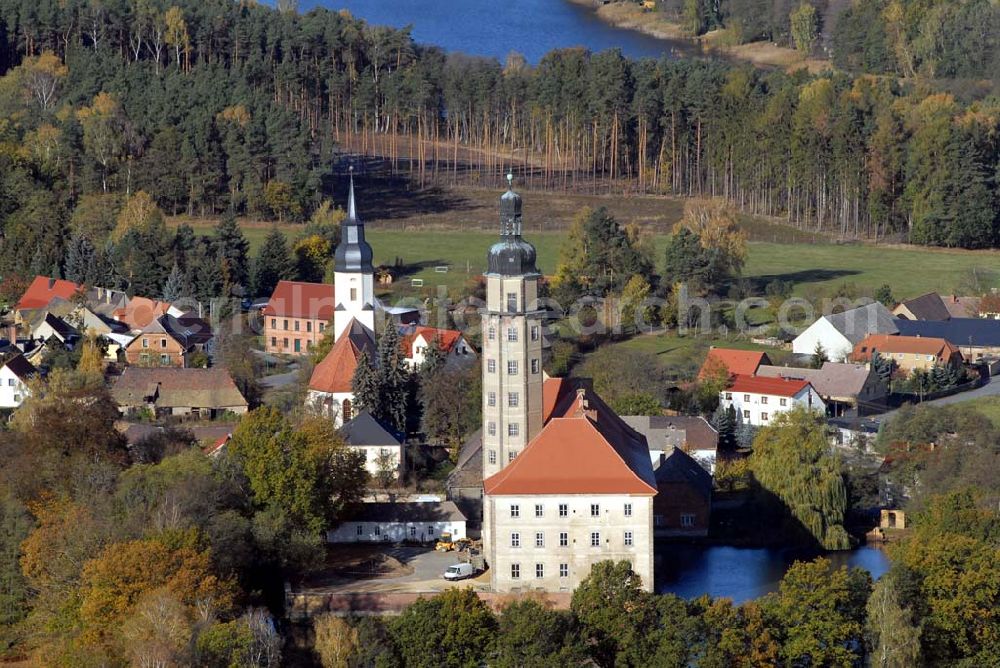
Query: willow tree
[(796, 472)]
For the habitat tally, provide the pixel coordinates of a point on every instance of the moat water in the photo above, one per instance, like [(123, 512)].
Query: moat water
[(742, 574), (494, 29)]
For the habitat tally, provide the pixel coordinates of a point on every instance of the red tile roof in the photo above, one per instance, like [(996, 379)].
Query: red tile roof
[(778, 387), (43, 290), (447, 338), (585, 448), (335, 373), (553, 390), (920, 345), (297, 299), (140, 312), (734, 361)]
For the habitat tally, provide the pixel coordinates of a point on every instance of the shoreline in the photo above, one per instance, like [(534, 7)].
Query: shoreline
[(631, 16)]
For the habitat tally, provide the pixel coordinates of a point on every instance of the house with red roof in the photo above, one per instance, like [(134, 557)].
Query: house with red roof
[(731, 362), (42, 291), (581, 492), (758, 399), (296, 316), (416, 339)]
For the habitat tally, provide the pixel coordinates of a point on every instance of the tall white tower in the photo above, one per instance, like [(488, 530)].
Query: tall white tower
[(353, 274), (512, 343)]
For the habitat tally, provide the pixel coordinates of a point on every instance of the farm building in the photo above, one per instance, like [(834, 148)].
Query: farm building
[(397, 522)]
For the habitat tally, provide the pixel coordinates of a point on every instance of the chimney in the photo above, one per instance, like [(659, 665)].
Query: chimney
[(12, 333), (52, 283)]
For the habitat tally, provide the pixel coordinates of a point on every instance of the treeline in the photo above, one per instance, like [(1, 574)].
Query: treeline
[(235, 106)]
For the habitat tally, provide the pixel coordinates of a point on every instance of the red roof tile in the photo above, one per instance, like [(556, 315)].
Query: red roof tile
[(920, 345), (335, 373), (734, 361), (43, 290), (553, 390), (140, 312), (778, 387), (297, 299), (447, 338), (584, 449)]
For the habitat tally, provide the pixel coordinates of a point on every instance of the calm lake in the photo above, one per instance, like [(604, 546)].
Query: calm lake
[(743, 574), (491, 28)]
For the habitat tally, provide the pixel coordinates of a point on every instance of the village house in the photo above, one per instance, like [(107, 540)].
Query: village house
[(690, 433), (169, 341), (417, 338), (382, 447), (758, 400), (838, 333), (726, 362), (204, 393), (15, 372), (140, 312), (40, 294), (965, 307), (683, 503), (976, 338), (48, 326), (844, 386), (929, 306), (393, 522), (296, 316), (909, 352)]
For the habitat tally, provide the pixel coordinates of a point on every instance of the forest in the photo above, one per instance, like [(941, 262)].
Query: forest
[(935, 39), (216, 106)]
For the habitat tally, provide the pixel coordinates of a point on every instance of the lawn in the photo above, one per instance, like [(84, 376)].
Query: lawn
[(988, 406), (909, 271), (811, 267)]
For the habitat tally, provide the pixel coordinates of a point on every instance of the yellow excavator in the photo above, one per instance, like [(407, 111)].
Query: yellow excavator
[(447, 543)]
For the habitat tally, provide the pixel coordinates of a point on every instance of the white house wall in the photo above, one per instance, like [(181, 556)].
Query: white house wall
[(837, 346), (611, 525), (394, 532), (12, 390), (752, 405)]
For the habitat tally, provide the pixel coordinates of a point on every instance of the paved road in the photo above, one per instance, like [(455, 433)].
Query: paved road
[(990, 389), (279, 380)]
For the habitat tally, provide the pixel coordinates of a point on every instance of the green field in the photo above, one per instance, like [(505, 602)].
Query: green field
[(813, 268), (988, 406)]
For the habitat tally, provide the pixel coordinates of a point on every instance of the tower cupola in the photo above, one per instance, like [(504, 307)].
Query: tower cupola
[(512, 255)]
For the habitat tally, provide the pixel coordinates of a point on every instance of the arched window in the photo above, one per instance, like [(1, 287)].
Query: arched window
[(347, 410)]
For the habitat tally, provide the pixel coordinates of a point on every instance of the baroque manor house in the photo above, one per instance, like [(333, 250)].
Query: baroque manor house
[(567, 483)]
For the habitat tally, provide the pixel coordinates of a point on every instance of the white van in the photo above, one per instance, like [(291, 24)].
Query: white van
[(459, 572)]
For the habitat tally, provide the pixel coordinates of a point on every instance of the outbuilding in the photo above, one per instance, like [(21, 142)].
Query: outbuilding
[(403, 521)]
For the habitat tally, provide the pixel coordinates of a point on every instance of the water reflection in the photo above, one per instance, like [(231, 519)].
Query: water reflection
[(743, 573)]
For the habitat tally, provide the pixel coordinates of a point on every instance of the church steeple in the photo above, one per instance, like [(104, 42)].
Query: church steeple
[(353, 273), (353, 254)]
